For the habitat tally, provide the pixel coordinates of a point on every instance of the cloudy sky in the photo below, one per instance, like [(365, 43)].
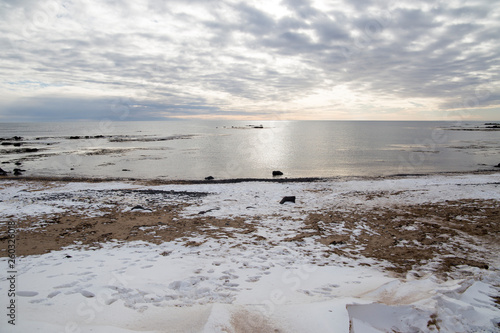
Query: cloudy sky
[(258, 59)]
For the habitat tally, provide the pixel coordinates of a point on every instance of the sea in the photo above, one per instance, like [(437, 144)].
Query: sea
[(193, 150)]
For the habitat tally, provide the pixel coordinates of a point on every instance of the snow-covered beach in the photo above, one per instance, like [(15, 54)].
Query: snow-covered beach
[(394, 254)]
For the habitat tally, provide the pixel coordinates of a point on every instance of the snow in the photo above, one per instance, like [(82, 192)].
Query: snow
[(224, 286)]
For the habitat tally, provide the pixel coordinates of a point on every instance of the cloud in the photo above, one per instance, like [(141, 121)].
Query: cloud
[(188, 58)]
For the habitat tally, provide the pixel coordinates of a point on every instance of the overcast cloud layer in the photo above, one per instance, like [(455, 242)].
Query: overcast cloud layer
[(290, 59)]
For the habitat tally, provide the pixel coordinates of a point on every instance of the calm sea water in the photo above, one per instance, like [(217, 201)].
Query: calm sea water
[(232, 149)]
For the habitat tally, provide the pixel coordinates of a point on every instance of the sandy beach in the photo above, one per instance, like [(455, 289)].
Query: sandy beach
[(393, 254)]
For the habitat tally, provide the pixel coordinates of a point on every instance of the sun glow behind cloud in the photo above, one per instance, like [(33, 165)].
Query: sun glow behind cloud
[(290, 59)]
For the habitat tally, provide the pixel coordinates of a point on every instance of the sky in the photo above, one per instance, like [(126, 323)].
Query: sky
[(250, 60)]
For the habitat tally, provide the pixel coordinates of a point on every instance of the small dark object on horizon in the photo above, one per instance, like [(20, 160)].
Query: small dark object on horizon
[(277, 173), (287, 199), (125, 170), (497, 166), (209, 178), (74, 137)]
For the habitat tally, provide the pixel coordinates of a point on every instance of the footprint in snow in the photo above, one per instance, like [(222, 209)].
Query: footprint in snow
[(110, 301), (87, 294), (253, 279), (66, 285), (26, 293), (37, 301)]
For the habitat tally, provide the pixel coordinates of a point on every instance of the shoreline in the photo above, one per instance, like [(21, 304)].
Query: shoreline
[(116, 199), (157, 181)]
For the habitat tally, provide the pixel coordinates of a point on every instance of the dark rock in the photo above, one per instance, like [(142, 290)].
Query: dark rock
[(3, 172), (74, 137), (30, 150), (98, 136), (18, 163), (72, 169), (497, 166), (277, 173), (208, 211), (209, 178), (125, 170), (17, 144), (7, 143), (287, 199), (17, 138), (17, 172), (139, 207)]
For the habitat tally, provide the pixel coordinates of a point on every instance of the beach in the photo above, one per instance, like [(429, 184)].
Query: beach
[(290, 166), (351, 254)]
